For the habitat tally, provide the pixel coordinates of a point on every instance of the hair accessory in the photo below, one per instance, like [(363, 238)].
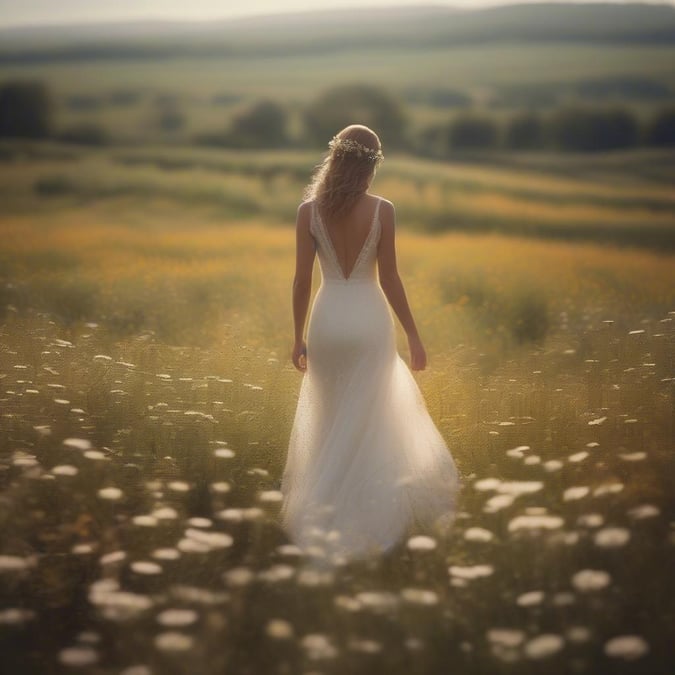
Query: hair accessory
[(342, 145)]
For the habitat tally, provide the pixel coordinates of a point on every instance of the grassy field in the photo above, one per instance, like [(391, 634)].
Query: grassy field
[(147, 395), (295, 77), (621, 197)]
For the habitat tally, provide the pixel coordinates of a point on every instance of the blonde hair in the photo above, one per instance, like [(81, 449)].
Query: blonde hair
[(342, 177)]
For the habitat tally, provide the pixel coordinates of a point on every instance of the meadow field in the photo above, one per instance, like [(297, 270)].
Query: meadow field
[(291, 76), (147, 396)]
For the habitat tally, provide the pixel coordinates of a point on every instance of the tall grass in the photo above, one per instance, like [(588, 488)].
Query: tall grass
[(147, 397), (140, 495), (182, 274)]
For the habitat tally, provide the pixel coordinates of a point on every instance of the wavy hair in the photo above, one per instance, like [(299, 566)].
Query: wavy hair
[(342, 177)]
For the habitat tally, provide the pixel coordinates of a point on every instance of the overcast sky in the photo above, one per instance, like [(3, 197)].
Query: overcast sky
[(22, 12)]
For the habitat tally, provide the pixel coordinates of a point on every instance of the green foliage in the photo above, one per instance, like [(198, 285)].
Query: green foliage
[(53, 185), (262, 125), (529, 317), (661, 129), (85, 133), (470, 131), (347, 104), (169, 116), (436, 60), (593, 130), (171, 119), (432, 141), (466, 131), (26, 109), (623, 87), (569, 128), (68, 299), (519, 315), (524, 132)]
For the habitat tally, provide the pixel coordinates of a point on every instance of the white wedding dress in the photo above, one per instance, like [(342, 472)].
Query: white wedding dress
[(365, 462)]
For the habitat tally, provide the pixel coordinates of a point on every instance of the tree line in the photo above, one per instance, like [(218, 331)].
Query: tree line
[(27, 111)]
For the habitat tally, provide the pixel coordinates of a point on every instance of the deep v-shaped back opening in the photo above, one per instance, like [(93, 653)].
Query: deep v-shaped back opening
[(364, 244)]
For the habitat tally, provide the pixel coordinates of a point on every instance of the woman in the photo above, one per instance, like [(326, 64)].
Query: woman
[(365, 462)]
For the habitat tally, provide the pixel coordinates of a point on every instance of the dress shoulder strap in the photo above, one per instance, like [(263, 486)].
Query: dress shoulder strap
[(312, 218), (377, 224)]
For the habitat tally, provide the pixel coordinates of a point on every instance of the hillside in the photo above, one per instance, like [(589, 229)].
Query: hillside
[(343, 30)]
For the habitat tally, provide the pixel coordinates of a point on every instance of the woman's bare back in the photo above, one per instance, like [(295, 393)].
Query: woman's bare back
[(348, 235)]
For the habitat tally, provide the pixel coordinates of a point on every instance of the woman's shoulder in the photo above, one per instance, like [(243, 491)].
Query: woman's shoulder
[(305, 216), (387, 210), (305, 208), (383, 201)]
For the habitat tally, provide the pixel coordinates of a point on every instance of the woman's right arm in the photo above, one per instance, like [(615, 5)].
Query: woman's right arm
[(302, 283), (391, 284)]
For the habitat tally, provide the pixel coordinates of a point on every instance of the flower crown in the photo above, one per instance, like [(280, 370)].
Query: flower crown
[(342, 145)]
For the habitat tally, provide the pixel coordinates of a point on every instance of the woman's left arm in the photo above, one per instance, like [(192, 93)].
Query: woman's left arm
[(302, 282), (392, 286)]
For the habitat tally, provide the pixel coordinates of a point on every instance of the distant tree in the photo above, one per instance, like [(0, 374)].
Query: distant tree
[(84, 102), (432, 140), (263, 125), (347, 104), (168, 115), (170, 119), (85, 133), (589, 130), (661, 129), (471, 131), (524, 132), (570, 129), (25, 109), (124, 97), (616, 128), (623, 87)]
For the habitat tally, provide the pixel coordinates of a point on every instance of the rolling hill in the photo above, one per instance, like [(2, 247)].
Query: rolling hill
[(344, 30)]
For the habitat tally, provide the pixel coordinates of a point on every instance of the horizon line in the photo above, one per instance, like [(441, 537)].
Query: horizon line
[(155, 19)]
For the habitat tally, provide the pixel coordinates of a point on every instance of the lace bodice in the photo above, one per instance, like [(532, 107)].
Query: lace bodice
[(365, 266)]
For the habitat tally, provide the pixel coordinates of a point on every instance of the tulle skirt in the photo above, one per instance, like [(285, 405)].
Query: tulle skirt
[(365, 461)]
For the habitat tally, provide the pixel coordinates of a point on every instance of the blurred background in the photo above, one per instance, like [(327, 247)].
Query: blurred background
[(435, 79), (553, 121)]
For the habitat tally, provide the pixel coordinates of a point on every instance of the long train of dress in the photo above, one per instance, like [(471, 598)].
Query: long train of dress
[(365, 461)]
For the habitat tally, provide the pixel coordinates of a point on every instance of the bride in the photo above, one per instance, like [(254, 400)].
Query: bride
[(365, 465)]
